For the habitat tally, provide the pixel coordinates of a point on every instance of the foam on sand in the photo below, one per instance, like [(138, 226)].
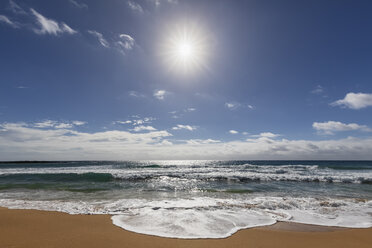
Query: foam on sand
[(205, 217)]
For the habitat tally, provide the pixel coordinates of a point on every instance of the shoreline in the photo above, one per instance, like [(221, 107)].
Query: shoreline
[(37, 228)]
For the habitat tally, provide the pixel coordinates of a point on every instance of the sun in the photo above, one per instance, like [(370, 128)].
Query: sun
[(185, 51)]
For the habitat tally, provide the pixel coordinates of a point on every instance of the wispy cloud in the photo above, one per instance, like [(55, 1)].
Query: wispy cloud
[(318, 90), (7, 21), (330, 127), (233, 132), (57, 124), (232, 105), (236, 105), (186, 127), (136, 94), (161, 94), (266, 135), (16, 9), (135, 6), (49, 26), (143, 128), (100, 38), (79, 123), (125, 43), (354, 101), (122, 122), (190, 109), (159, 2), (78, 5)]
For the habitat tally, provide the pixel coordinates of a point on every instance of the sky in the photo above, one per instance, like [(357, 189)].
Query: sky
[(193, 79)]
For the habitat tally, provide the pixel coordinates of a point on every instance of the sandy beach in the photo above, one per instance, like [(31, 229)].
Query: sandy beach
[(33, 228)]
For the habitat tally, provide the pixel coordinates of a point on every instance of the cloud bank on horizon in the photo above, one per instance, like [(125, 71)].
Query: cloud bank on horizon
[(87, 80)]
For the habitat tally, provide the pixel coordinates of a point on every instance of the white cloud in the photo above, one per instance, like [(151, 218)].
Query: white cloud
[(266, 135), (135, 6), (125, 43), (49, 26), (335, 126), (161, 94), (136, 94), (122, 122), (232, 105), (201, 141), (78, 5), (186, 127), (233, 132), (7, 21), (355, 101), (100, 38), (250, 106), (158, 2), (142, 121), (79, 123), (318, 90), (21, 141), (190, 109), (15, 8), (44, 124), (63, 125), (143, 128), (57, 125)]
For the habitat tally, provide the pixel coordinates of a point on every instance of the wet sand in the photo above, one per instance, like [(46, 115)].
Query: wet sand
[(39, 229)]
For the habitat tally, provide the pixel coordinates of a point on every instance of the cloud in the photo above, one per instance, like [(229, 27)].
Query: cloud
[(57, 125), (122, 122), (143, 128), (7, 21), (335, 126), (125, 43), (232, 105), (161, 94), (100, 38), (266, 135), (159, 2), (22, 141), (22, 87), (78, 5), (201, 141), (16, 9), (63, 125), (79, 123), (136, 94), (233, 132), (318, 90), (190, 109), (186, 127), (49, 26), (355, 101), (135, 6)]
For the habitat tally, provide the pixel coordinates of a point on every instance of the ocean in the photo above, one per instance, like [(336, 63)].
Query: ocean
[(195, 199)]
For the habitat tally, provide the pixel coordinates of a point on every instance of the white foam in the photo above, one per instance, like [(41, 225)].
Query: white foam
[(205, 217)]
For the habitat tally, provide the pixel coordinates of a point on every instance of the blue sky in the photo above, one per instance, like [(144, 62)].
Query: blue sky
[(106, 79)]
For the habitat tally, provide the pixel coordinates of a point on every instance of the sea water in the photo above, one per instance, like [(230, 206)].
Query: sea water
[(195, 199)]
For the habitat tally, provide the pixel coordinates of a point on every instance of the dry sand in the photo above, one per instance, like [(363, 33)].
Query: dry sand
[(39, 229)]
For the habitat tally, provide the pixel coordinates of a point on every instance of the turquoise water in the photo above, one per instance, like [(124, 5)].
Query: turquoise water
[(192, 199)]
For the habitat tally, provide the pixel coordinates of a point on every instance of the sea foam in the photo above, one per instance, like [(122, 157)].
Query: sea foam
[(205, 217)]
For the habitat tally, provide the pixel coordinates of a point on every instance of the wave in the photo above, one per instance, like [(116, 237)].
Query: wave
[(240, 173), (205, 217)]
